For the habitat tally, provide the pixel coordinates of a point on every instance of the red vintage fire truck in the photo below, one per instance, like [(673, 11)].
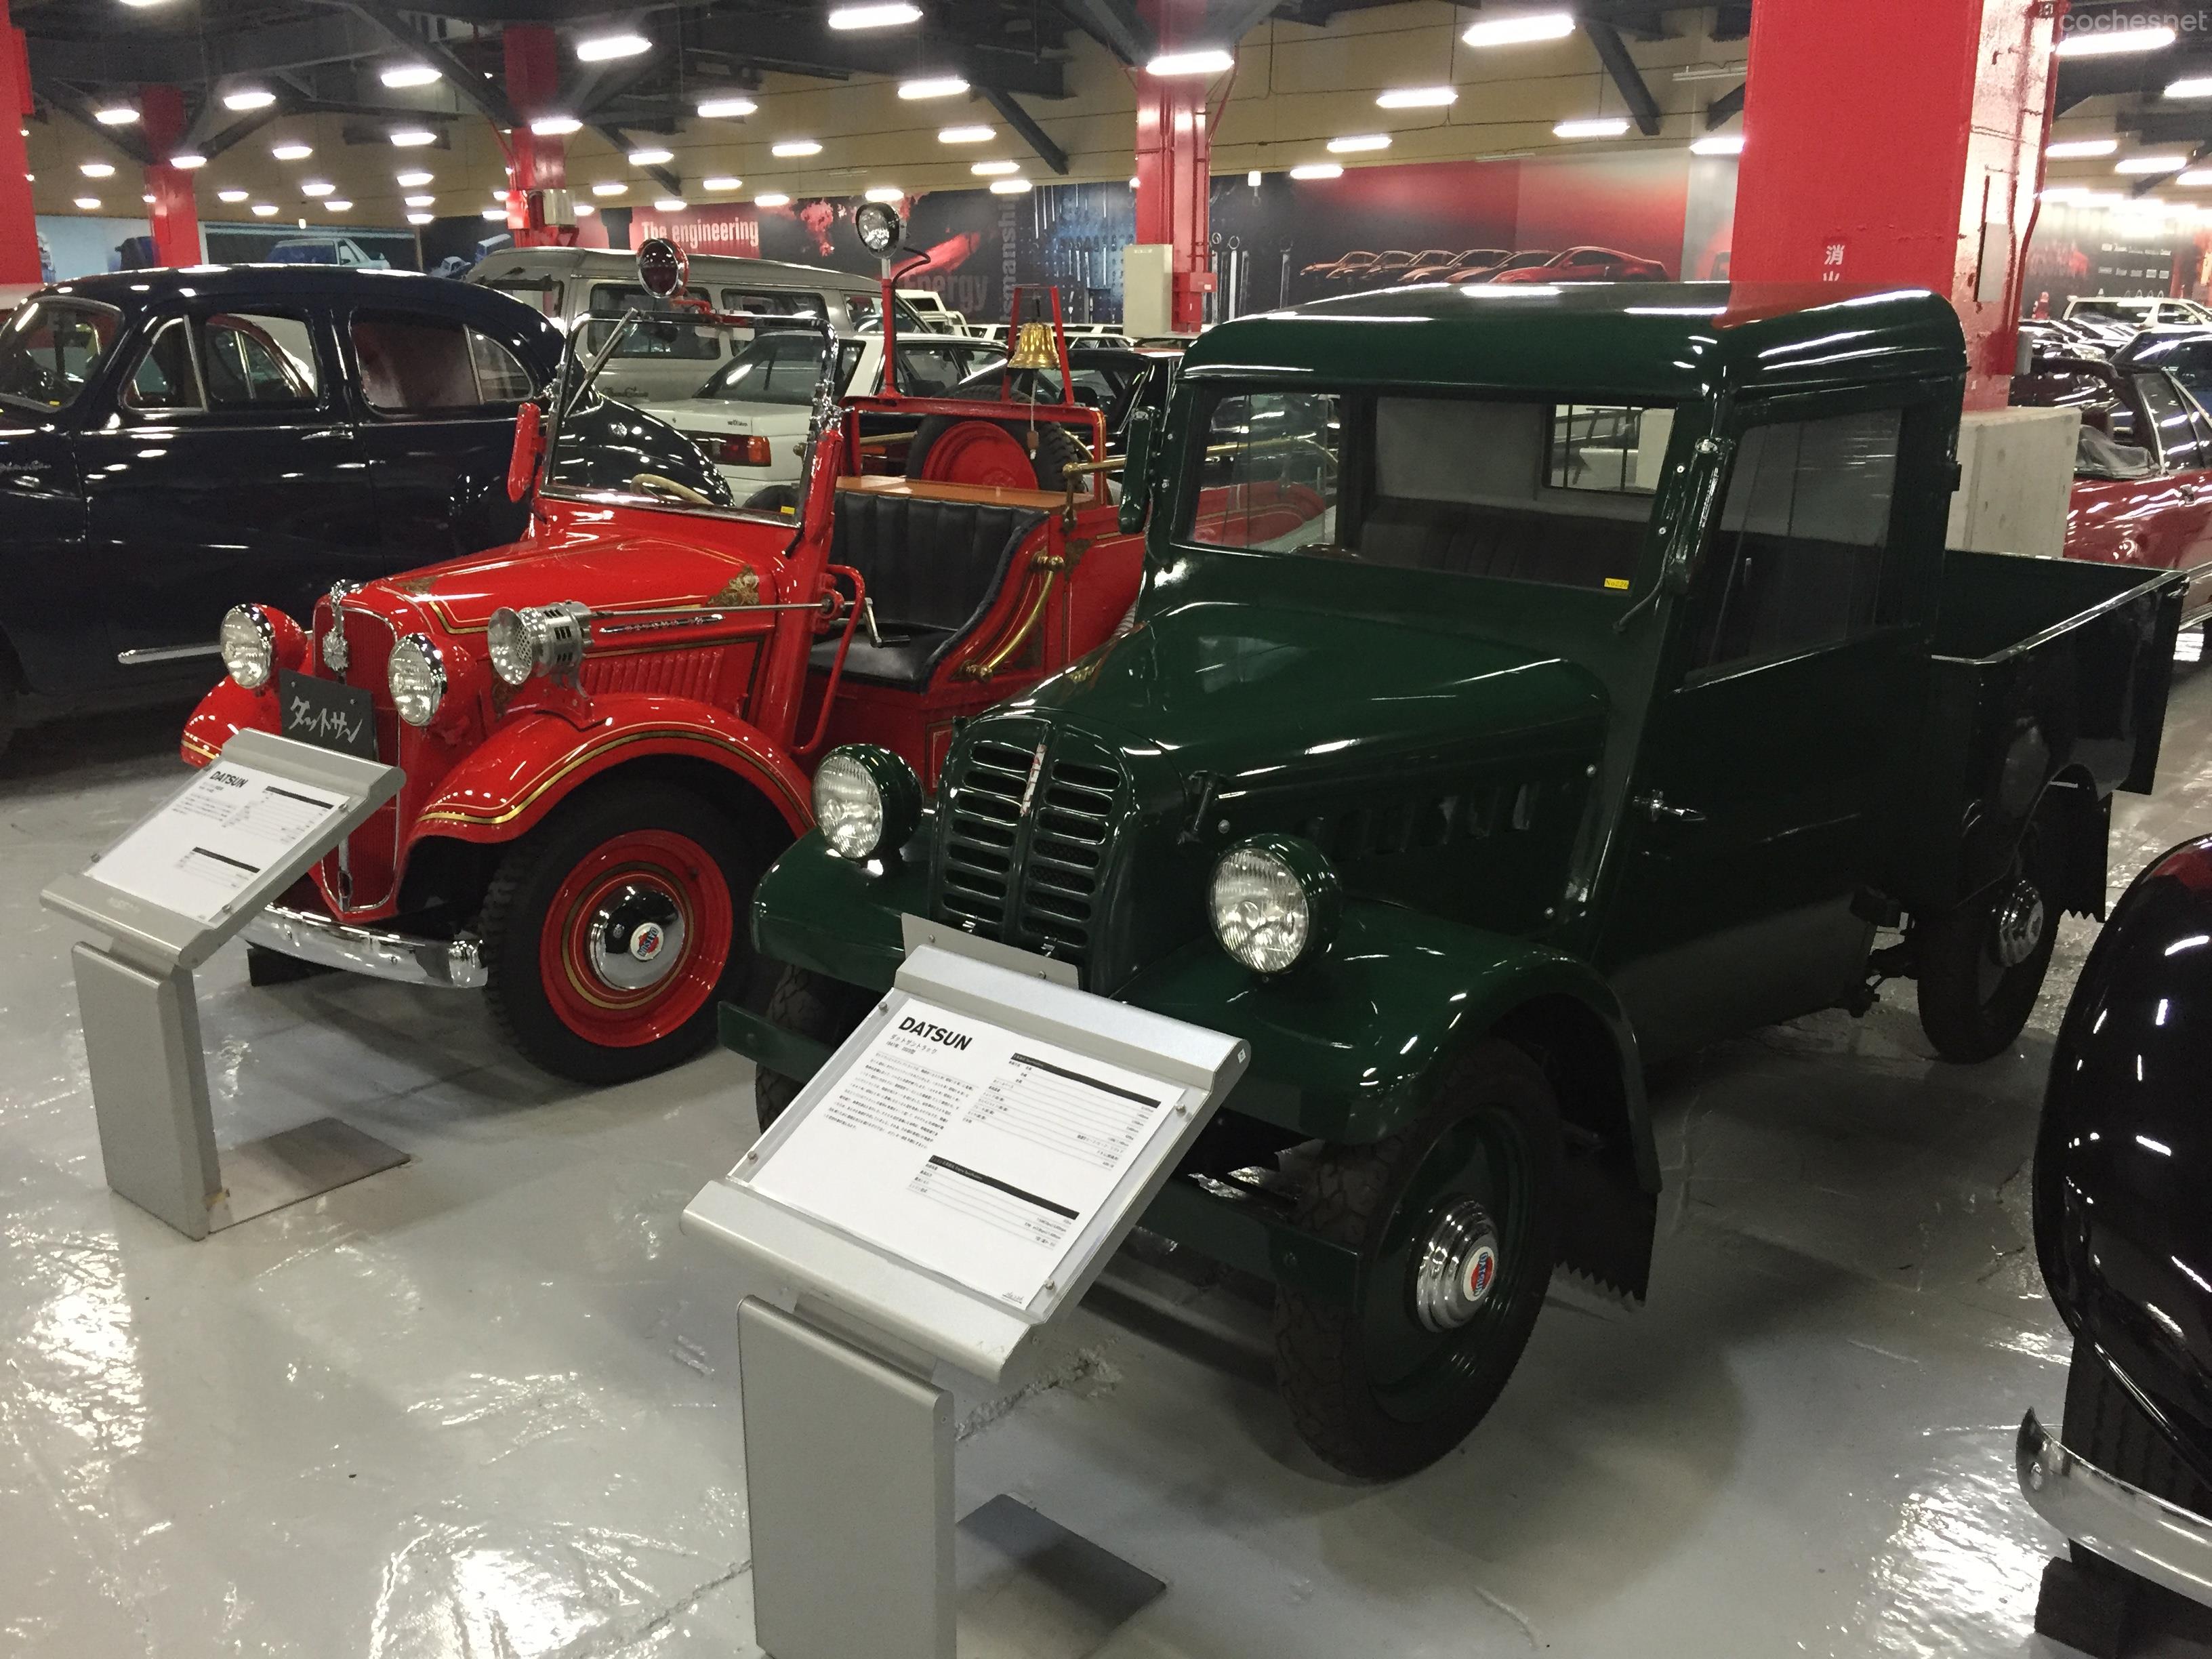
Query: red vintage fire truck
[(609, 727)]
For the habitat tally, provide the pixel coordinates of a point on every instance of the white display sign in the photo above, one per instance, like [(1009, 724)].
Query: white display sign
[(970, 1149), (215, 839)]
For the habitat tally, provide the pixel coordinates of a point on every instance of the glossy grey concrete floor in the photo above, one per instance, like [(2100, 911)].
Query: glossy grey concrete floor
[(485, 1405)]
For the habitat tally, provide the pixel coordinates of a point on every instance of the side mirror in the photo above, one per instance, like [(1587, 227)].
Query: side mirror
[(663, 268), (1137, 470), (529, 450)]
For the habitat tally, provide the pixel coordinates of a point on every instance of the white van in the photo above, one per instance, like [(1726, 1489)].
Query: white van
[(669, 359)]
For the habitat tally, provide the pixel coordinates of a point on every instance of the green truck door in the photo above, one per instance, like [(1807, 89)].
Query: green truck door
[(1777, 744)]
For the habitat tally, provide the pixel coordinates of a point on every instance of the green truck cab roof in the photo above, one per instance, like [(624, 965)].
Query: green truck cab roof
[(1663, 342)]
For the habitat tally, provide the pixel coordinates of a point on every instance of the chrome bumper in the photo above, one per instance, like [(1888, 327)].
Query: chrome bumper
[(2126, 1525), (445, 964)]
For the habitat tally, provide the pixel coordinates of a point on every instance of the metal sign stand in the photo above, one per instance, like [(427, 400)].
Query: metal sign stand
[(141, 1027), (846, 1347)]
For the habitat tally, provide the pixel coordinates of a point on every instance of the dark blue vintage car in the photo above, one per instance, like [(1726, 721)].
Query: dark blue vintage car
[(174, 442), (2123, 1194)]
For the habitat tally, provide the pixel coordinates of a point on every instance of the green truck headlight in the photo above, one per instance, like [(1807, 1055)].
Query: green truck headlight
[(866, 799), (1274, 902)]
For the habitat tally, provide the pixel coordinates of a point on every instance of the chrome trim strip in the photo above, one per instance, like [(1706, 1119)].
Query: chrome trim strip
[(442, 964), (145, 654), (2126, 1525)]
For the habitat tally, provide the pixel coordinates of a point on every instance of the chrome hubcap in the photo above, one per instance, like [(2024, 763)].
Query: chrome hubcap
[(636, 938), (2020, 924), (1458, 1267)]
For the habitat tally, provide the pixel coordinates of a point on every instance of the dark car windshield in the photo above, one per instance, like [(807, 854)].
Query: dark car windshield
[(50, 348), (780, 368)]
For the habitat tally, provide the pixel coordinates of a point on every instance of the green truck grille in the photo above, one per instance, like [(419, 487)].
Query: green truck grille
[(1024, 840)]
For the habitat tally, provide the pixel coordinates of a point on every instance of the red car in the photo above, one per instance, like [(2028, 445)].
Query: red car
[(1488, 265), (608, 728), (1588, 264)]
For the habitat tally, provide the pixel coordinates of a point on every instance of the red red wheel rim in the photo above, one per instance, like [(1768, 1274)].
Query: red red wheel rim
[(630, 883), (980, 452)]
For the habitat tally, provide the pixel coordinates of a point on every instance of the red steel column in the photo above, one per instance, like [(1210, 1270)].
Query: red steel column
[(538, 163), (1174, 161), (174, 214), (18, 225), (1926, 175)]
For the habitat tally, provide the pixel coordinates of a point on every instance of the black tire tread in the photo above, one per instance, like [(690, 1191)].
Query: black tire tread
[(812, 1005), (1964, 1029)]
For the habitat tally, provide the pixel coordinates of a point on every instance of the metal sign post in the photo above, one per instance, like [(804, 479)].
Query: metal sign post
[(940, 1194), (167, 895)]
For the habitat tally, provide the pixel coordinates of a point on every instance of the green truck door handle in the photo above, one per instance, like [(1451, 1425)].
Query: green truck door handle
[(1654, 807)]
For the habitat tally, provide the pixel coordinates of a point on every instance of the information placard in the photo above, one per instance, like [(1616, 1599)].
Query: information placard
[(215, 839), (968, 1149)]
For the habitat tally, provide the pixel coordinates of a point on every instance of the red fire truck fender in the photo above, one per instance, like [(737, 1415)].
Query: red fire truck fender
[(530, 766), (223, 714)]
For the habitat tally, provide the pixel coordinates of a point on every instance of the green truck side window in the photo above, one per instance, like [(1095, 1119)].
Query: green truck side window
[(1802, 558)]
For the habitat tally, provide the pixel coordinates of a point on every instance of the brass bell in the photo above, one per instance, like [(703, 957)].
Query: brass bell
[(1033, 347)]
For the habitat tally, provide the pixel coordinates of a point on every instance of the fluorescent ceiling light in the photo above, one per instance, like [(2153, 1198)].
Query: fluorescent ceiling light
[(885, 193), (115, 115), (233, 197), (190, 162), (2106, 43), (2147, 164), (609, 187), (724, 183), (409, 75), (602, 48), (1011, 186), (1207, 60), (2194, 177), (2074, 148), (338, 204), (966, 135), (413, 180), (584, 210), (248, 98), (994, 169), (1313, 170), (556, 126), (1711, 72), (413, 137), (792, 147), (1602, 126), (89, 203), (97, 169), (771, 199), (650, 158), (1719, 144), (2068, 193), (292, 152), (421, 201), (726, 109), (317, 187), (497, 216), (939, 86), (265, 210), (2195, 86), (1520, 31), (671, 204), (1417, 98), (418, 218), (1358, 142), (874, 16)]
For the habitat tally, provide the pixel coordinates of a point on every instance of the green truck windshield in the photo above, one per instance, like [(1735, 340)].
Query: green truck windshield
[(1556, 493)]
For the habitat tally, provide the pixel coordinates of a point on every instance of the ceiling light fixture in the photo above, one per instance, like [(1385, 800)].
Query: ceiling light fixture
[(584, 210), (248, 98), (1205, 60), (190, 162), (496, 215), (721, 184), (726, 109), (771, 199), (413, 137), (1252, 178), (671, 204), (1521, 31), (966, 135), (421, 201), (2150, 164), (883, 193), (650, 158), (292, 152), (791, 148), (1317, 170), (2195, 86), (409, 75), (97, 169), (2194, 178), (265, 210), (233, 197), (418, 218), (116, 115), (935, 86), (1358, 143), (338, 204), (556, 126), (1601, 126), (875, 16), (609, 187), (1417, 98), (89, 203), (603, 48), (1012, 186), (2106, 43), (1719, 143), (318, 187), (994, 169), (413, 180), (2075, 149)]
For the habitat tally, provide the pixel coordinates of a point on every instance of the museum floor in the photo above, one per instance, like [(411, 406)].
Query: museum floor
[(485, 1405)]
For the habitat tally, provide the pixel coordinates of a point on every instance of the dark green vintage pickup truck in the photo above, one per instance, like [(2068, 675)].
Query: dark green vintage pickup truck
[(1527, 685)]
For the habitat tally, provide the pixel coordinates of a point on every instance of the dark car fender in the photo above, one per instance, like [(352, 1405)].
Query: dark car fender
[(2123, 1159)]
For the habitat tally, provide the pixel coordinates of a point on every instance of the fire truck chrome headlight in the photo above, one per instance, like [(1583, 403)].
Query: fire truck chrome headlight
[(417, 677), (866, 799), (248, 643), (1273, 902), (511, 645)]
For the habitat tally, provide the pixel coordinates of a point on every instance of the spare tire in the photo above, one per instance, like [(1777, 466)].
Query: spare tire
[(963, 449)]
